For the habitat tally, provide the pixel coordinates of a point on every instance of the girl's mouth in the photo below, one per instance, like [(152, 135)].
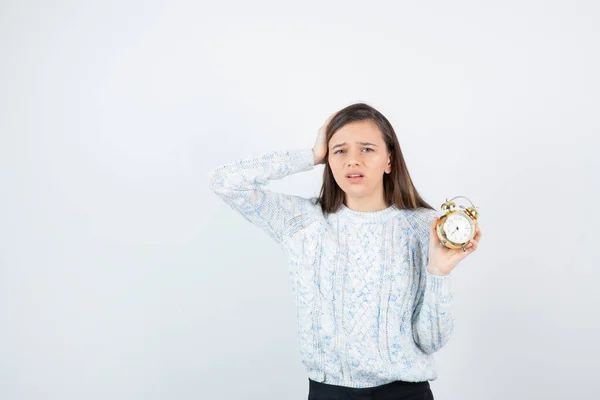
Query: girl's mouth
[(354, 178)]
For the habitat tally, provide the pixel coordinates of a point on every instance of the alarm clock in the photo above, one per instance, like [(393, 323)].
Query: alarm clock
[(457, 226)]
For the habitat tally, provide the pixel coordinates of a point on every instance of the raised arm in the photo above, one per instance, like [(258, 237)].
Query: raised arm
[(242, 185), (433, 320)]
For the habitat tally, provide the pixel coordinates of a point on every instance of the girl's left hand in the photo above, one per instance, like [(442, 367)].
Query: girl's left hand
[(442, 260)]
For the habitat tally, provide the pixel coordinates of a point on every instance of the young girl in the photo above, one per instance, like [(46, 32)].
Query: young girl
[(370, 279)]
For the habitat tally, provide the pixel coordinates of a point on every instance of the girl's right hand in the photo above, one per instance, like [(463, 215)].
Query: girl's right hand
[(320, 147)]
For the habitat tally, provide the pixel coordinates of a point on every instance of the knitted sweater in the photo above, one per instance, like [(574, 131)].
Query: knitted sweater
[(368, 311)]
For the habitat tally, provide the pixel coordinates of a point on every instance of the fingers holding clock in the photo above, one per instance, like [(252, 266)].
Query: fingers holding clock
[(478, 233), (475, 241), (472, 244)]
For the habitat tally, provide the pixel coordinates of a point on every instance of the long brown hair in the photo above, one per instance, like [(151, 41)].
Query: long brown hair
[(399, 189)]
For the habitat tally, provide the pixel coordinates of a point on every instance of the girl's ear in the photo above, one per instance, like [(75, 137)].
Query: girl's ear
[(388, 168)]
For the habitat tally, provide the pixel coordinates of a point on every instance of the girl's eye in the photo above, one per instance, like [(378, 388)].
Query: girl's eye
[(365, 148)]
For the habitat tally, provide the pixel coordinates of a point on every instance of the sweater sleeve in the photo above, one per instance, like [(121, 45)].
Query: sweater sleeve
[(433, 320), (242, 185)]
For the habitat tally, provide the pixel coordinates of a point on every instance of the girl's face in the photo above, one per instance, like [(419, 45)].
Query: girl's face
[(358, 147)]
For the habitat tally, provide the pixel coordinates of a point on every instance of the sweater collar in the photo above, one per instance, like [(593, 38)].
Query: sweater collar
[(367, 216)]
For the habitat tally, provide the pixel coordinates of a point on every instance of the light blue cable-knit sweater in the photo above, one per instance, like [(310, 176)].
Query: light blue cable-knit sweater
[(368, 311)]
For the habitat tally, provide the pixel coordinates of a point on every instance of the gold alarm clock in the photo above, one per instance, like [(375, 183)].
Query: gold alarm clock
[(457, 226)]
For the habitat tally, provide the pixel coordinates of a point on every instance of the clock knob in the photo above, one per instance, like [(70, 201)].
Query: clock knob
[(448, 205), (471, 212)]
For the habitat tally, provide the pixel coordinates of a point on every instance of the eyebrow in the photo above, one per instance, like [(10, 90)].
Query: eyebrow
[(363, 143)]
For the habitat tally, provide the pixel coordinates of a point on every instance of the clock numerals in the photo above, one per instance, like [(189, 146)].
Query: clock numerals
[(457, 228)]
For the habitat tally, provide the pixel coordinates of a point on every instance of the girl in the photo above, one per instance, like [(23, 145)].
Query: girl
[(370, 280)]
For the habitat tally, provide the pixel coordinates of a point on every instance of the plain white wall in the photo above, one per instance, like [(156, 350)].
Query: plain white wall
[(123, 276)]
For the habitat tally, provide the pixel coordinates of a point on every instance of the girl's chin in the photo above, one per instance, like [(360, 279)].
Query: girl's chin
[(355, 191)]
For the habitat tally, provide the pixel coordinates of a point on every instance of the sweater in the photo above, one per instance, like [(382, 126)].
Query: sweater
[(368, 310)]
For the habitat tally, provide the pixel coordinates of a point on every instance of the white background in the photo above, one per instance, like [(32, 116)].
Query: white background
[(122, 276)]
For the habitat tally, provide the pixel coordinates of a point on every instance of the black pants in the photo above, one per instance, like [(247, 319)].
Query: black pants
[(397, 390)]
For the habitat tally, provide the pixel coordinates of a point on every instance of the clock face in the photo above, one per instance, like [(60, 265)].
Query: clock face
[(458, 227)]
